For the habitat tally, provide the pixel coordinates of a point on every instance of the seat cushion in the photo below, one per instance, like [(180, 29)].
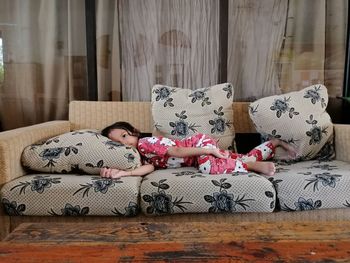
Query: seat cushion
[(71, 195), (185, 190), (312, 185)]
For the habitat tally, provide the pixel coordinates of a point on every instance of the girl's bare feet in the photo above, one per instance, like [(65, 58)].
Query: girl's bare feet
[(286, 146), (267, 168)]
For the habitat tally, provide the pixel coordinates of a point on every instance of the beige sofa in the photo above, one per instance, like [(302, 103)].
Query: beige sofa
[(99, 114)]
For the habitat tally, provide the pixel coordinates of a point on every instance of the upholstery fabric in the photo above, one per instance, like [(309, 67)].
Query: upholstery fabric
[(71, 195), (312, 185), (299, 118), (179, 113), (79, 151), (186, 190)]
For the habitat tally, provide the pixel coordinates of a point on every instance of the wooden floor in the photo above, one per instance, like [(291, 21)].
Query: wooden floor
[(167, 242)]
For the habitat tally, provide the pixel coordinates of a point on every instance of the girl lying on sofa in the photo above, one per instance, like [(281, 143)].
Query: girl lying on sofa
[(199, 150)]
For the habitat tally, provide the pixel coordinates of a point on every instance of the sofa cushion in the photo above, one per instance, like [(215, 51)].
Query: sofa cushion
[(85, 151), (179, 113), (312, 185), (186, 190), (299, 118), (71, 195)]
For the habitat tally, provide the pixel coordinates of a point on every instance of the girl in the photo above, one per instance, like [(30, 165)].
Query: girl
[(198, 150)]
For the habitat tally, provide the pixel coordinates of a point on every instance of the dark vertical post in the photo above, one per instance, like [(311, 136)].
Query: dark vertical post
[(346, 88), (90, 22), (223, 39)]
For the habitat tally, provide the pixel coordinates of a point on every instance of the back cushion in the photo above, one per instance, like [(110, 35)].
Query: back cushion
[(179, 113), (299, 118), (85, 151)]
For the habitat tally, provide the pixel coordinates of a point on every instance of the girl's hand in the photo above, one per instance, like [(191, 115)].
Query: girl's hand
[(220, 153), (113, 173)]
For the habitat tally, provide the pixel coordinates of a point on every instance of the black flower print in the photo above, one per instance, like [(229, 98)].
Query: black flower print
[(347, 204), (51, 154), (222, 201), (38, 184), (326, 179), (219, 124), (316, 132), (12, 208), (161, 203), (98, 165), (157, 126), (93, 133), (130, 157), (99, 184), (282, 106), (182, 128), (314, 96), (55, 140), (200, 95), (163, 93), (131, 210), (274, 135), (303, 205), (70, 210), (191, 173), (253, 110), (229, 89), (324, 166), (113, 144)]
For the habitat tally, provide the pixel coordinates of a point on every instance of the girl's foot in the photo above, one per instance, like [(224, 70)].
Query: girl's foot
[(286, 146), (267, 168)]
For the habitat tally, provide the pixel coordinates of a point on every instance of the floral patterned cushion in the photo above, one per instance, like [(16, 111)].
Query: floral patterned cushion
[(186, 190), (179, 113), (71, 195), (312, 185), (84, 151), (299, 118)]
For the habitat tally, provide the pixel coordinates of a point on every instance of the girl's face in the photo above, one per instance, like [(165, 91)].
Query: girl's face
[(122, 136)]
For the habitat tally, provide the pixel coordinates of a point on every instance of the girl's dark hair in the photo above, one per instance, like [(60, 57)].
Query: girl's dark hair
[(121, 125)]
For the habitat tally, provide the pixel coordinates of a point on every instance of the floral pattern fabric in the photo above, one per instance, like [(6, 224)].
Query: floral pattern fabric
[(312, 185), (299, 118), (71, 195), (179, 113), (82, 151), (186, 190)]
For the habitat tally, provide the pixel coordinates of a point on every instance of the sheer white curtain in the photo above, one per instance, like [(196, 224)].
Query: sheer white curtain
[(256, 30), (315, 44), (44, 59), (168, 42), (108, 51)]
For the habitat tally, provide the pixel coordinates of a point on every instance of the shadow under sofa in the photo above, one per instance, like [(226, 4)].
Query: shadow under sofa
[(179, 195)]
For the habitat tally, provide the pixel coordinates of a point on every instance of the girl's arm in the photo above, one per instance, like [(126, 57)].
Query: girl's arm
[(193, 151), (115, 173)]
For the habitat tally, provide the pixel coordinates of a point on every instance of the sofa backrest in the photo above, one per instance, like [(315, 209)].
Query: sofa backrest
[(99, 114)]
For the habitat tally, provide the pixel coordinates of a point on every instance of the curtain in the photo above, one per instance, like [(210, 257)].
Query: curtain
[(168, 42), (107, 45), (44, 59), (255, 37), (315, 45)]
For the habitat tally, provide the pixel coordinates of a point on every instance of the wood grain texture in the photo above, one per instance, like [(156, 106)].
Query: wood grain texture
[(171, 242)]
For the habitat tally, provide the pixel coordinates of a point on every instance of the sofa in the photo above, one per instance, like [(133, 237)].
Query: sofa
[(302, 191)]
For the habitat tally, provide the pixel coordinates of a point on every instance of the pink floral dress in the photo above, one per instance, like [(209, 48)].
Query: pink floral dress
[(154, 151)]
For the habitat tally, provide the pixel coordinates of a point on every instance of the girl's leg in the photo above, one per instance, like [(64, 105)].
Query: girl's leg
[(209, 164), (262, 152)]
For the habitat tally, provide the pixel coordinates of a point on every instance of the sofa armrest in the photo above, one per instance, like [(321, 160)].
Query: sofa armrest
[(13, 142), (342, 142)]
